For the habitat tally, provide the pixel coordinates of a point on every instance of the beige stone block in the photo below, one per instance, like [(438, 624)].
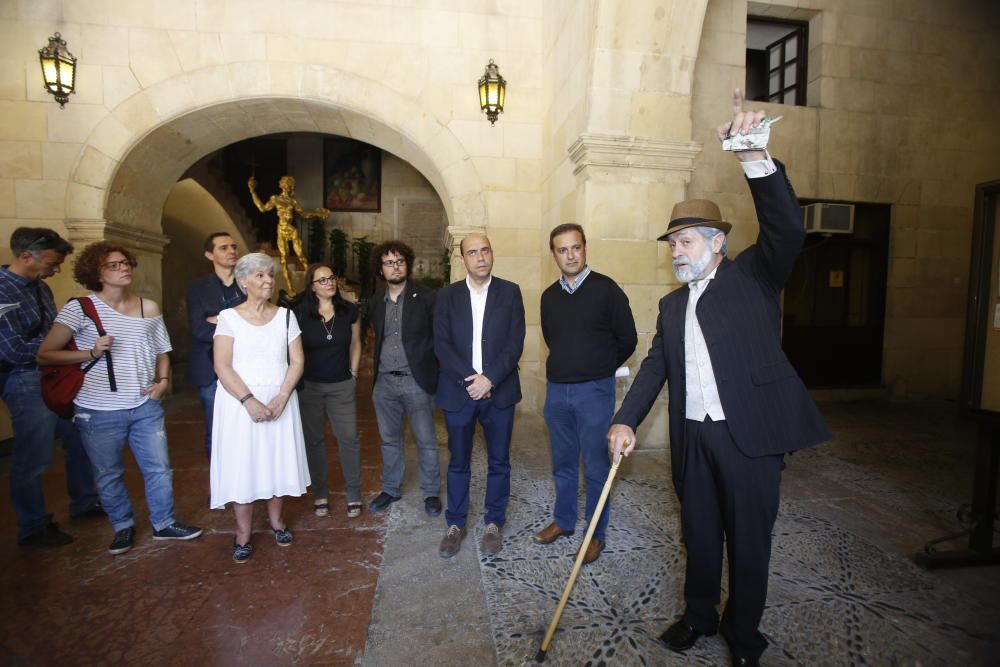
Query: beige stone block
[(629, 262), (103, 45), (152, 56), (94, 168), (59, 160), (468, 211), (439, 29), (528, 175), (479, 138), (12, 80), (130, 13), (40, 198), (615, 210), (119, 85), (8, 202), (285, 78), (667, 73), (617, 70), (249, 78), (23, 121), (111, 137), (644, 301), (513, 209), (137, 114), (518, 242), (522, 140), (20, 159), (661, 116), (904, 243), (175, 14), (724, 48), (86, 11), (482, 32), (241, 47), (196, 50), (496, 173), (73, 123)]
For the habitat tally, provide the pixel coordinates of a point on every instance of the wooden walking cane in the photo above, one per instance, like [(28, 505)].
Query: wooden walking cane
[(579, 557)]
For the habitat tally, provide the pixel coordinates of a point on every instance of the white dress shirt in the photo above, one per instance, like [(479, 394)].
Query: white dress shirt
[(702, 392), (478, 298)]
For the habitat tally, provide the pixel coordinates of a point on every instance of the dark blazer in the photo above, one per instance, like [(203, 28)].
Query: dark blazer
[(767, 407), (418, 332), (503, 342), (204, 299)]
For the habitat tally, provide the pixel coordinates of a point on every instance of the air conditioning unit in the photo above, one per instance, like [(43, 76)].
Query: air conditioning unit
[(827, 218)]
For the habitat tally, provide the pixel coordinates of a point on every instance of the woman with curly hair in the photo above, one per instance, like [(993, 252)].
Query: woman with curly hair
[(136, 346)]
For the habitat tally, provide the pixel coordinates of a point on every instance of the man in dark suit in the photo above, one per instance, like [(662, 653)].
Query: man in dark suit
[(206, 298), (406, 374), (478, 339), (736, 404)]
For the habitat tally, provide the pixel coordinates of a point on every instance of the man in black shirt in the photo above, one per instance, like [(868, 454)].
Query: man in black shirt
[(406, 374), (590, 332), (206, 298)]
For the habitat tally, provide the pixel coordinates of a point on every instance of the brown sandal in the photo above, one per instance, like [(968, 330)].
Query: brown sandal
[(354, 510)]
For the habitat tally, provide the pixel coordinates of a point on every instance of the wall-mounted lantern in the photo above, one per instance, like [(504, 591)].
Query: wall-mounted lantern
[(58, 69), (492, 91)]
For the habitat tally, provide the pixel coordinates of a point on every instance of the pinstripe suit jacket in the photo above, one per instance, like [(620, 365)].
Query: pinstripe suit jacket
[(767, 407)]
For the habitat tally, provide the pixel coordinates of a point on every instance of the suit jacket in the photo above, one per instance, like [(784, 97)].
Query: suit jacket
[(204, 299), (503, 342), (768, 409), (417, 330)]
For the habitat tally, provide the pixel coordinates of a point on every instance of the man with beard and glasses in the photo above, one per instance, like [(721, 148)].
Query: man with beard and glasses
[(736, 405), (406, 374)]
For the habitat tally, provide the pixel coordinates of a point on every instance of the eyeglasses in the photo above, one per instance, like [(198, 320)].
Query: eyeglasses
[(389, 263), (119, 264), (326, 280)]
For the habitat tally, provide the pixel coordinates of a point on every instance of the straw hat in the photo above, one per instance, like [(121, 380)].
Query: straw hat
[(695, 213)]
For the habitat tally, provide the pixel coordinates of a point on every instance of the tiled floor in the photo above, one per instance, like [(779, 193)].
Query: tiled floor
[(188, 603), (373, 591)]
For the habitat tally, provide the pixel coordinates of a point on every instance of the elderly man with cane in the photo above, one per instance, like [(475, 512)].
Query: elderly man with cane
[(736, 404)]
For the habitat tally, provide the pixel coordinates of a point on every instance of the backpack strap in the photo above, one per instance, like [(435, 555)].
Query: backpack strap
[(90, 311)]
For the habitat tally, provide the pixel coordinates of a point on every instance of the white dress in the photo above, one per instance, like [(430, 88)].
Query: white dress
[(255, 461)]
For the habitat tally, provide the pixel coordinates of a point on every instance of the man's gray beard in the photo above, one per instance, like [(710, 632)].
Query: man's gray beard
[(688, 272)]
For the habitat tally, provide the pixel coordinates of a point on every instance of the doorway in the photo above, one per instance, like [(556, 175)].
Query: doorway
[(834, 306)]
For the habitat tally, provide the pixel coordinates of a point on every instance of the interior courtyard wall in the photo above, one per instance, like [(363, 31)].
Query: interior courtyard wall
[(901, 99), (401, 77)]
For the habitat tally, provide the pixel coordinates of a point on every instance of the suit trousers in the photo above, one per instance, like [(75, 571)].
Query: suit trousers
[(336, 400), (498, 424), (727, 497)]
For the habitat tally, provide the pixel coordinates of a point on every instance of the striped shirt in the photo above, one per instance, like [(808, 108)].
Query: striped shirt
[(137, 343)]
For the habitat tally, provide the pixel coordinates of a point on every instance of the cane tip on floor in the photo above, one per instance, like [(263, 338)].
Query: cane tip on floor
[(541, 656)]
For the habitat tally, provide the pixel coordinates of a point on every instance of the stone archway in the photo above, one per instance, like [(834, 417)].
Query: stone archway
[(135, 154)]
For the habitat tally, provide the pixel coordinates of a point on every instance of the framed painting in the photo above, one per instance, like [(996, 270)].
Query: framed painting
[(352, 176)]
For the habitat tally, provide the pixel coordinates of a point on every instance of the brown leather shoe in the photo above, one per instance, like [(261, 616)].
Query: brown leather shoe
[(451, 542), (594, 550), (550, 534), (492, 539)]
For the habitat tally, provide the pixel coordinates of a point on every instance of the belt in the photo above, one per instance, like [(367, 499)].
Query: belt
[(397, 373)]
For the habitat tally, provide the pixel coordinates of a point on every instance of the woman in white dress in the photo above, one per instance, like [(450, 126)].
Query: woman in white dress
[(258, 451)]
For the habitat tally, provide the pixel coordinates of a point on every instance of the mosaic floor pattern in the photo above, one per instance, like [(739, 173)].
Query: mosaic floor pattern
[(834, 599)]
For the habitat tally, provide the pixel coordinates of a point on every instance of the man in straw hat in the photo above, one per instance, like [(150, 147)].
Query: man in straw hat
[(736, 404)]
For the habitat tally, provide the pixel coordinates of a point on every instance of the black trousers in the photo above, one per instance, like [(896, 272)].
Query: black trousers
[(728, 498)]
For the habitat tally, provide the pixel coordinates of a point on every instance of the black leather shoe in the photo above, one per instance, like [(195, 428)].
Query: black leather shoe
[(432, 506), (743, 661), (382, 501), (680, 636)]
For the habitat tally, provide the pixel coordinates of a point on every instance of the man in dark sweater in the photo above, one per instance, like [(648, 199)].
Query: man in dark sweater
[(590, 332)]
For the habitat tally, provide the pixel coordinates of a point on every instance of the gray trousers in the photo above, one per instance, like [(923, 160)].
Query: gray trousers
[(337, 400), (396, 396)]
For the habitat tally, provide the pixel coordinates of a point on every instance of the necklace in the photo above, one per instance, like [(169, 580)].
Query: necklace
[(329, 332)]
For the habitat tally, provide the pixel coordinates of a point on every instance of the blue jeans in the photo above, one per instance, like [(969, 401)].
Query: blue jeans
[(395, 398), (104, 435), (35, 429), (498, 424), (207, 396), (578, 416)]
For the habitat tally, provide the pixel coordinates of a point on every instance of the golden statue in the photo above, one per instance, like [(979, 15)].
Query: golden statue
[(287, 206)]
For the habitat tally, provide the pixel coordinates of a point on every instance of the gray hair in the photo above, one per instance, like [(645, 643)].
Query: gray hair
[(249, 264), (709, 233)]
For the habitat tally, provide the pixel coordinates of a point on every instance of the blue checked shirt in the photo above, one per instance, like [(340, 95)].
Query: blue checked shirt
[(37, 307), (576, 285)]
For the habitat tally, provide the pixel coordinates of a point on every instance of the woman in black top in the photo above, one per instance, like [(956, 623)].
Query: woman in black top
[(331, 340)]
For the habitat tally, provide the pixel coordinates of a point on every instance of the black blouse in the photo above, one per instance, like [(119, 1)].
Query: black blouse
[(327, 359)]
